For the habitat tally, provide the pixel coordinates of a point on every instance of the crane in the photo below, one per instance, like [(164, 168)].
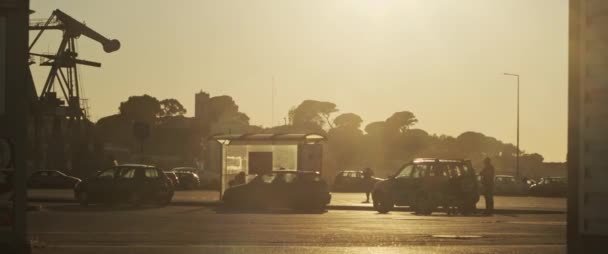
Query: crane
[(64, 71), (62, 133)]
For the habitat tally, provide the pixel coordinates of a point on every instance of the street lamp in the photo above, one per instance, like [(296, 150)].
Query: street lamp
[(517, 153)]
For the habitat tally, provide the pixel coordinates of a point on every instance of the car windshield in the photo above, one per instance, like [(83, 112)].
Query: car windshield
[(266, 178), (127, 173), (405, 171), (108, 173)]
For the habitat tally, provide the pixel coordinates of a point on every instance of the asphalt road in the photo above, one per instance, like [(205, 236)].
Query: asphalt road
[(69, 228), (343, 200)]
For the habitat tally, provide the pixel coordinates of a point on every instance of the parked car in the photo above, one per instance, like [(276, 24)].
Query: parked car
[(131, 183), (425, 184), (550, 187), (287, 189), (173, 177), (188, 178), (51, 179), (351, 181), (509, 185), (207, 179)]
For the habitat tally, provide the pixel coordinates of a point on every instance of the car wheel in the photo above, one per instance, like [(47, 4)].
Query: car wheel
[(382, 203), (83, 198)]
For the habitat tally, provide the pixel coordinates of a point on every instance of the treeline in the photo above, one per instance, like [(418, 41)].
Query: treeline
[(386, 145), (382, 145)]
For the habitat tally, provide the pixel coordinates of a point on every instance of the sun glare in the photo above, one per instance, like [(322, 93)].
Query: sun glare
[(371, 8)]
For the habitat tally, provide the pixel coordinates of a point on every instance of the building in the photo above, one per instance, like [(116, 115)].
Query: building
[(588, 122), (200, 100)]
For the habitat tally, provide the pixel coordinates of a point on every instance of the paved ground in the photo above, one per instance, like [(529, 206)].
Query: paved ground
[(342, 200), (69, 228)]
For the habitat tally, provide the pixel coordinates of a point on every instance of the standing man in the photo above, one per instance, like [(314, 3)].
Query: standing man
[(487, 180), (368, 181)]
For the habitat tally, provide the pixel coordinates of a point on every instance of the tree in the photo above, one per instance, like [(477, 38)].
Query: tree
[(374, 146), (348, 120), (401, 121), (143, 108), (476, 144), (414, 142), (116, 129), (222, 116), (220, 106), (375, 128), (313, 114), (345, 140), (171, 107), (239, 118)]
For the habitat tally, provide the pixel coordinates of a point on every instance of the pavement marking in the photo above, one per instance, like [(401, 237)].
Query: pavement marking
[(549, 223), (465, 237), (289, 249)]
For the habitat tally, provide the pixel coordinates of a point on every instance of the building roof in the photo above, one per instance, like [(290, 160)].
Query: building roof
[(134, 166), (269, 138), (424, 160)]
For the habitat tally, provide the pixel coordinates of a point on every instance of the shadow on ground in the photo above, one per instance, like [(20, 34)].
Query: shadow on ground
[(225, 210), (98, 208)]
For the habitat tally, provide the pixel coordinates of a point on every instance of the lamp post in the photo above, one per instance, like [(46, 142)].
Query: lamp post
[(517, 153)]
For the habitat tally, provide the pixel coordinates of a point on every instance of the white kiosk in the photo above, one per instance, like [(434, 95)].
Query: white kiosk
[(256, 154)]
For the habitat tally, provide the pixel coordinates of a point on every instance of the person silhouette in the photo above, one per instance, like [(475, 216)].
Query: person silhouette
[(368, 182), (487, 180), (239, 179)]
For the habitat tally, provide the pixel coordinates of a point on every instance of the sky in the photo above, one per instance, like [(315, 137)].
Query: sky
[(443, 60)]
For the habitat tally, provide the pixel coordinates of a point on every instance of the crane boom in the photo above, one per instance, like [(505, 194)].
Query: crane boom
[(76, 28), (64, 71)]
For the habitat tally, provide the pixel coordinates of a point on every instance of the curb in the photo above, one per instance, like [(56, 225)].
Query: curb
[(329, 207)]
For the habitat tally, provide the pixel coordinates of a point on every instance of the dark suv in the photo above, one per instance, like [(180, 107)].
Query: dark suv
[(134, 184), (425, 184)]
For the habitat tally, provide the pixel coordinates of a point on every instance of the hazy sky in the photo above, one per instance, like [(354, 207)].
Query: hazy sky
[(441, 59)]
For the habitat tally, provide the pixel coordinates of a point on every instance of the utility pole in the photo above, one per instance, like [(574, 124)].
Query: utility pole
[(517, 154), (14, 111), (272, 123)]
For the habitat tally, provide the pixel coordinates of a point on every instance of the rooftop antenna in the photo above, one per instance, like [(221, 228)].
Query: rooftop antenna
[(272, 102)]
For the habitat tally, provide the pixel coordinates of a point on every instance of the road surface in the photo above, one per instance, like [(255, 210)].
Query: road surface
[(343, 200), (69, 228)]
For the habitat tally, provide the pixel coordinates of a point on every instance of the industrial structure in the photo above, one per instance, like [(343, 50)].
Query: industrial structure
[(62, 134)]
